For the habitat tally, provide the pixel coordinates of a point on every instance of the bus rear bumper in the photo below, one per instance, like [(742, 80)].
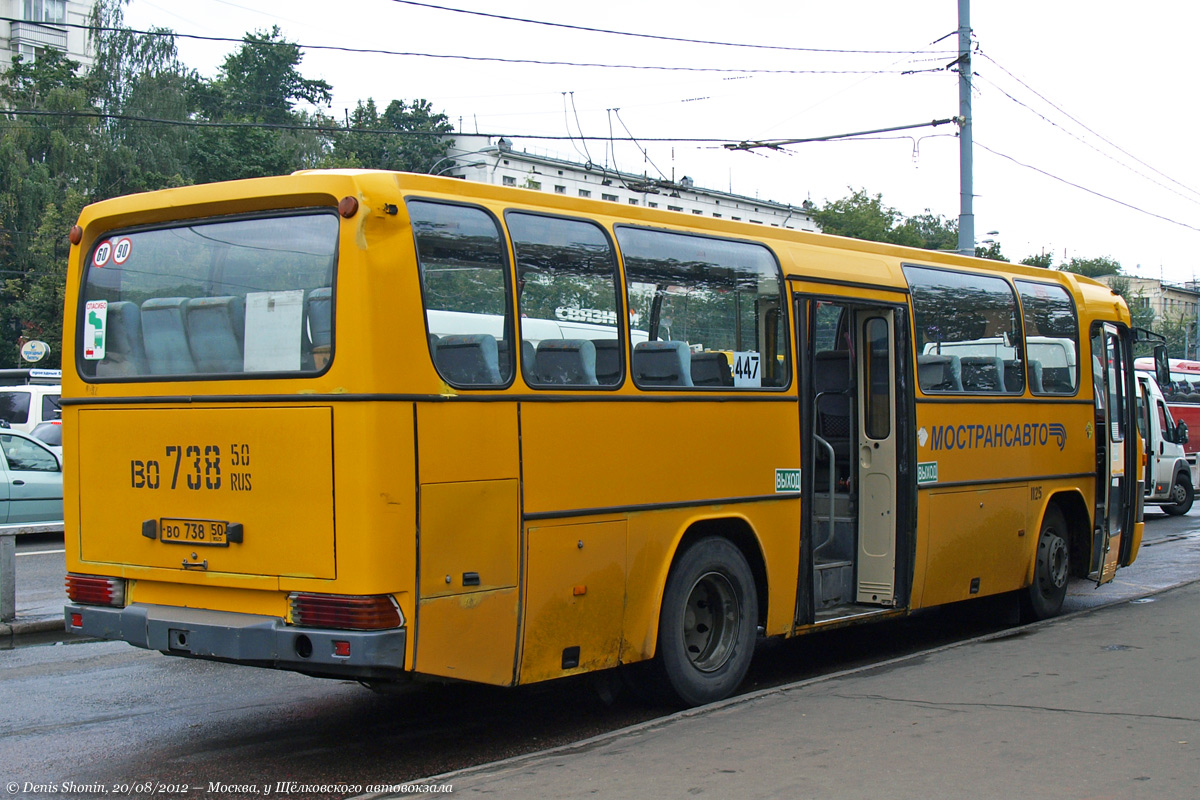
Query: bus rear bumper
[(245, 639)]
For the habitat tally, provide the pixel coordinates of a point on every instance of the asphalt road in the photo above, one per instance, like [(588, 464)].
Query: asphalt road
[(110, 713)]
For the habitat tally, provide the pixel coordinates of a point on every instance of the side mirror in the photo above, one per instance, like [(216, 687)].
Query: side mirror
[(1181, 433), (1162, 369)]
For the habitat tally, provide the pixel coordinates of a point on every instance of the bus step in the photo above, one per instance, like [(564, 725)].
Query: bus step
[(833, 583)]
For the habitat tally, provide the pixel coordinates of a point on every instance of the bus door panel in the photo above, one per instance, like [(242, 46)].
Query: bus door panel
[(1115, 480), (876, 458), (849, 401), (468, 541)]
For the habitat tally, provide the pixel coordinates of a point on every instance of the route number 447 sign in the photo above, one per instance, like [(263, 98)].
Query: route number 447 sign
[(746, 369)]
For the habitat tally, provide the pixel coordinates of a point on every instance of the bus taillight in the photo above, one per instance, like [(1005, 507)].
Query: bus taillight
[(346, 612), (96, 590)]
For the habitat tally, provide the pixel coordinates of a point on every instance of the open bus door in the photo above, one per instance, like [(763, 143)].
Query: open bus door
[(1117, 485)]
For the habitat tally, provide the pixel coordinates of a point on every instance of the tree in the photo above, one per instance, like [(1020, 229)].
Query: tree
[(992, 252), (261, 81), (1093, 267), (46, 167), (863, 216), (138, 76), (1044, 260), (409, 137)]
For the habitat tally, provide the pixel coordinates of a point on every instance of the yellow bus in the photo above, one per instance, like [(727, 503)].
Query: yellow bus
[(382, 426)]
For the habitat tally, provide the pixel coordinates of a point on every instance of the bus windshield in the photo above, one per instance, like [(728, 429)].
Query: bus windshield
[(251, 295)]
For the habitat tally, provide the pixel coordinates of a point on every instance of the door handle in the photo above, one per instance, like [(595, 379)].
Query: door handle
[(18, 482)]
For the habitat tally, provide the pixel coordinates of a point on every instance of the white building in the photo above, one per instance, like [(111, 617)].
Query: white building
[(481, 159), (42, 26)]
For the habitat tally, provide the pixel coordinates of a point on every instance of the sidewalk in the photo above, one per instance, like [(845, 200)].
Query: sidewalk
[(1104, 703), (38, 612)]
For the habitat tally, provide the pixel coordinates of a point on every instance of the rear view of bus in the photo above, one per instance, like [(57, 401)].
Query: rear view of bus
[(200, 337)]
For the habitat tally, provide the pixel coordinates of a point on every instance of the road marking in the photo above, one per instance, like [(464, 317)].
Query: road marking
[(41, 552)]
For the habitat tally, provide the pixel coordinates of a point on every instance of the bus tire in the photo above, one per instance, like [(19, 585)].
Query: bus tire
[(1183, 494), (709, 622), (1051, 571)]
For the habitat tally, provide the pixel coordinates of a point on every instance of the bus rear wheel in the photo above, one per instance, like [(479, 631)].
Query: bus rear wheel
[(708, 625), (1182, 495), (1051, 571)]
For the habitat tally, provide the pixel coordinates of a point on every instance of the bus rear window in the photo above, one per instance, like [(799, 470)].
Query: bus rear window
[(229, 297)]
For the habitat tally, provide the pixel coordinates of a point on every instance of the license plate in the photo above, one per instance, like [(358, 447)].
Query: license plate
[(193, 531)]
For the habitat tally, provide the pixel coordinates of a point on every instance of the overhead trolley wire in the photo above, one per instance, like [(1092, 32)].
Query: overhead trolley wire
[(489, 59), (660, 38), (1101, 195), (1083, 125)]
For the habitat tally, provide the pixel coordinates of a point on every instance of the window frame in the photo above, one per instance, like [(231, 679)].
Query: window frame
[(1078, 333), (507, 270), (1018, 317), (277, 213), (786, 330), (623, 329)]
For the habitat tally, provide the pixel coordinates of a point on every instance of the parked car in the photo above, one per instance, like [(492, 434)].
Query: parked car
[(30, 480), (49, 434)]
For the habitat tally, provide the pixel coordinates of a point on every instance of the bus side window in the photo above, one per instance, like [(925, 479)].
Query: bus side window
[(709, 312), (464, 286), (568, 301)]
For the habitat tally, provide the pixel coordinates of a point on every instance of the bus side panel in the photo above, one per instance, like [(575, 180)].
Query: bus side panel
[(581, 455), (575, 599), (972, 529), (978, 546), (468, 541)]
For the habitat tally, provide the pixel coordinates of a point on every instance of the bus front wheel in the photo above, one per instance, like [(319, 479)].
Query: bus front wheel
[(708, 626), (1052, 570), (1182, 495)]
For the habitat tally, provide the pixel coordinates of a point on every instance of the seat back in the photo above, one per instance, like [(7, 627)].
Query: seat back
[(216, 328), (662, 364), (711, 369), (1014, 374), (939, 373), (164, 334), (982, 374), (565, 362), (608, 361), (471, 359), (124, 353), (831, 382)]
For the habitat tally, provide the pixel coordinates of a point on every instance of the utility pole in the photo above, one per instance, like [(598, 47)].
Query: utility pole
[(966, 183)]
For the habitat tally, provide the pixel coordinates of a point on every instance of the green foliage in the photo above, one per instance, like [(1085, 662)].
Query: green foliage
[(1093, 267), (992, 252), (1139, 307), (51, 166), (863, 216), (1043, 260), (366, 142)]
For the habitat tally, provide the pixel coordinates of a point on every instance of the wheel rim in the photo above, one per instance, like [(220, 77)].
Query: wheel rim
[(710, 622), (1054, 557), (1178, 493)]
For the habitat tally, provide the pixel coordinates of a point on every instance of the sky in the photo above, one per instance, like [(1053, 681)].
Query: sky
[(1084, 111)]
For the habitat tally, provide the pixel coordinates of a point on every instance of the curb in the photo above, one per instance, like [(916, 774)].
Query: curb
[(11, 632)]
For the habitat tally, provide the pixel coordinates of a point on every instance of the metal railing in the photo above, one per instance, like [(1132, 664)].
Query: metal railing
[(8, 563)]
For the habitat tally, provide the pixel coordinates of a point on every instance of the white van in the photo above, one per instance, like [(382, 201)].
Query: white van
[(29, 397), (1168, 475)]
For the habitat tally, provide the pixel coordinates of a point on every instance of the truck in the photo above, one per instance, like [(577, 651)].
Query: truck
[(1181, 389), (1169, 478)]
